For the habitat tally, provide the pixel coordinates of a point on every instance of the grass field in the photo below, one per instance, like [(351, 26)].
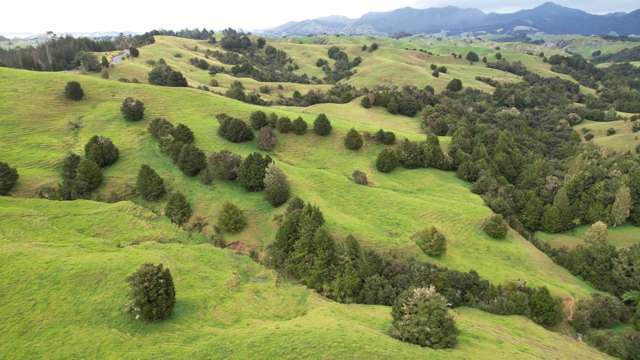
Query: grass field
[(37, 136), (620, 236), (624, 138), (64, 266)]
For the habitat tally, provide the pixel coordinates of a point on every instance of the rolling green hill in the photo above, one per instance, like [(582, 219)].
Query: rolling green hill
[(64, 265)]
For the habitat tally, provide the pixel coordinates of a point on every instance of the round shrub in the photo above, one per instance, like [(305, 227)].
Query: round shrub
[(160, 128), (234, 130), (266, 139), (224, 165), (73, 91), (454, 85), (387, 161), (295, 204), (149, 184), (299, 126), (88, 177), (8, 178), (231, 219), (421, 316), (545, 309), (284, 125), (360, 178), (258, 120), (496, 227), (182, 133), (132, 110), (101, 150), (385, 137), (191, 160), (178, 209), (322, 126), (431, 241), (152, 294), (276, 186), (353, 140)]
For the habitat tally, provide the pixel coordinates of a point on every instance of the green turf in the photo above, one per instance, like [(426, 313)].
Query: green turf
[(620, 236), (383, 215), (624, 138), (64, 265)]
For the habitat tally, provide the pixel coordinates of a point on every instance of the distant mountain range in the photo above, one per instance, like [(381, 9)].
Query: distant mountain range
[(549, 18)]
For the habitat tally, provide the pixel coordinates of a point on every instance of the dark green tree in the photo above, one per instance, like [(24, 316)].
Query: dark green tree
[(231, 218), (73, 91), (472, 57), (421, 316), (410, 155), (454, 85), (387, 161), (132, 110), (252, 171), (88, 177), (234, 130), (545, 309), (322, 126), (8, 178), (284, 125), (178, 209), (101, 150), (224, 165), (258, 120), (433, 155), (191, 160), (152, 294), (149, 184), (183, 133), (353, 140), (495, 226), (299, 126), (276, 186)]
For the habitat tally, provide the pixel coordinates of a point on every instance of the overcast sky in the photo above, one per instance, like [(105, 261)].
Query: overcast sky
[(38, 16)]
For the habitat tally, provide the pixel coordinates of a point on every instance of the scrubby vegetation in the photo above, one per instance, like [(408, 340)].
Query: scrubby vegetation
[(153, 294)]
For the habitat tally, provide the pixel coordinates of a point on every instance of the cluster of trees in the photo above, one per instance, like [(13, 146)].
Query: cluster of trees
[(57, 54), (342, 68), (408, 100), (414, 155), (622, 56), (164, 75), (236, 91), (178, 143), (255, 60), (338, 94), (305, 250)]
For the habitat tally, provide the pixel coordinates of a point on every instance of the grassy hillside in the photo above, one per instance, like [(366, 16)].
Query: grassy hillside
[(384, 215), (620, 236), (624, 138), (64, 266)]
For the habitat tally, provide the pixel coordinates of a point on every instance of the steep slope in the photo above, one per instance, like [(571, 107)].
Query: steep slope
[(64, 265), (37, 135)]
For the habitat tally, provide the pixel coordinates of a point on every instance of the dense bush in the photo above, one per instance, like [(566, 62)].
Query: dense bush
[(178, 209), (495, 226), (284, 125), (8, 178), (322, 126), (132, 110), (223, 165), (164, 75), (152, 294), (266, 139), (387, 161), (191, 160), (421, 316), (385, 137), (231, 218), (598, 313), (252, 171), (183, 134), (149, 184), (431, 241), (160, 128), (299, 126), (410, 154), (353, 140), (276, 186), (88, 178), (101, 150), (454, 85), (234, 130), (360, 177), (258, 120), (73, 91)]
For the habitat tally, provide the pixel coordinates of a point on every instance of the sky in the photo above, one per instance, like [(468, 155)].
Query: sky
[(39, 16)]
